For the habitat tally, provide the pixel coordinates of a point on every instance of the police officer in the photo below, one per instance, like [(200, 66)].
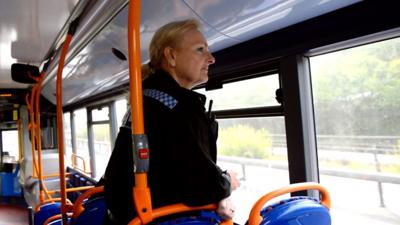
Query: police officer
[(182, 138)]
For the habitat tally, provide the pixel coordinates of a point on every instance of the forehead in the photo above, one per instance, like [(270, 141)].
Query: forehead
[(191, 37)]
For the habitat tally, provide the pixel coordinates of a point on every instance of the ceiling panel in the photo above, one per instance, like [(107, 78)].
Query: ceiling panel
[(96, 69), (244, 20), (27, 30), (225, 23)]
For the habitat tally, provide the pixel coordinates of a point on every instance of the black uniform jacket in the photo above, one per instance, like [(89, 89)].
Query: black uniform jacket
[(182, 152)]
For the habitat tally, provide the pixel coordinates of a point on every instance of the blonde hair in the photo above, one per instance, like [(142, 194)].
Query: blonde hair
[(168, 35)]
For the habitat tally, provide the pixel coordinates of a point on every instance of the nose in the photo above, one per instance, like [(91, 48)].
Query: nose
[(211, 59)]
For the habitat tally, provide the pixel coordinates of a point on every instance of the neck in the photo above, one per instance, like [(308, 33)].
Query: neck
[(172, 72)]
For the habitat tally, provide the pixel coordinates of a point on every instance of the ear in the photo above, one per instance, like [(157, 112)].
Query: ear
[(170, 56)]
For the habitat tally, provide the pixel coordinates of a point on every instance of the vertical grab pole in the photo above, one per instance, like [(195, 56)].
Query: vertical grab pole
[(141, 191), (39, 135), (60, 127), (34, 111), (29, 103)]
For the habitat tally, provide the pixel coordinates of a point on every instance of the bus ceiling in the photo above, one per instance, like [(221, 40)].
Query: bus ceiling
[(92, 59), (93, 68)]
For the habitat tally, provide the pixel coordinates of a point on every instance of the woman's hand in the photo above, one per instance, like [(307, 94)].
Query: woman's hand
[(235, 183), (226, 209)]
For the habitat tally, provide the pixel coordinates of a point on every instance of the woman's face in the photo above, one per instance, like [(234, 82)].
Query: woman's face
[(192, 59)]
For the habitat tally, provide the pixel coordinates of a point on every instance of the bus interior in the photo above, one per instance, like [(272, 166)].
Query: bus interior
[(304, 91)]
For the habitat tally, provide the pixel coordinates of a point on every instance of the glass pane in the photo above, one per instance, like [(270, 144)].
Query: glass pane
[(67, 137), (357, 104), (255, 148), (255, 92), (48, 126), (82, 145), (100, 114), (10, 145), (121, 107), (102, 147)]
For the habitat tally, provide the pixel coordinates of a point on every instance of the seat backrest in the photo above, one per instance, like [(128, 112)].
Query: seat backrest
[(58, 222), (79, 174), (199, 218), (46, 211), (77, 179), (95, 210), (296, 211)]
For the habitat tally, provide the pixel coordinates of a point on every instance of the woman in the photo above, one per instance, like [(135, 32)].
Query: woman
[(181, 138)]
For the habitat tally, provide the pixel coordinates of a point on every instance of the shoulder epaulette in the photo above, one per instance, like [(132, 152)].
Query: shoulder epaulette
[(162, 97)]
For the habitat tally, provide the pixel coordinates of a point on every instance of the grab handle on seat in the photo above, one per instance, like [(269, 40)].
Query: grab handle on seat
[(255, 217)]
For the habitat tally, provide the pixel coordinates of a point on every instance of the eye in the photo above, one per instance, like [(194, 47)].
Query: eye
[(201, 49)]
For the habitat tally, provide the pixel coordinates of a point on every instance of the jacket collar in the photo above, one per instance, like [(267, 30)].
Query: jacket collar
[(163, 81)]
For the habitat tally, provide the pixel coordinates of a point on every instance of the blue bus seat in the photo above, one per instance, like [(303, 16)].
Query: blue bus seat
[(71, 179), (76, 177), (82, 182), (56, 222), (46, 211), (203, 218), (95, 210), (76, 180), (89, 183), (300, 210), (72, 195), (9, 184), (59, 222)]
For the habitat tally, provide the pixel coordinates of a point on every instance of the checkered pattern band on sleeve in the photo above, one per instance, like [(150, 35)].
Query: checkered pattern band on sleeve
[(162, 97)]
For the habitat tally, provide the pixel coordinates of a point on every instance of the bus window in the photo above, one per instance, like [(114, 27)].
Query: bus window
[(100, 114), (82, 144), (255, 147), (249, 93), (102, 147), (121, 108), (101, 138), (68, 136), (357, 106), (10, 144), (48, 128)]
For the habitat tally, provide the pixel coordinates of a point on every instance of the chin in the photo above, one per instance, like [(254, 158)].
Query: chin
[(202, 81), (204, 78)]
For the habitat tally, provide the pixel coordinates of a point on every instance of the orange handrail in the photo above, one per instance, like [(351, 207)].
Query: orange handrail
[(39, 133), (75, 165), (141, 191), (52, 218), (37, 208), (81, 188), (255, 217), (78, 206), (55, 217), (60, 127), (34, 126), (31, 125), (45, 191), (135, 72), (53, 175), (73, 189)]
